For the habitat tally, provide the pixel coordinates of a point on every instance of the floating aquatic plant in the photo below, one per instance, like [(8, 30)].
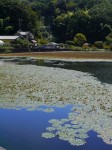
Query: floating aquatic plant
[(28, 86), (48, 135), (49, 110), (67, 132)]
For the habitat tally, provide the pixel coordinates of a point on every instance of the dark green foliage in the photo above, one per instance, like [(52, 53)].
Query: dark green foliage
[(79, 39), (70, 42), (6, 49), (12, 11), (5, 27), (98, 44), (108, 39), (64, 18), (21, 43)]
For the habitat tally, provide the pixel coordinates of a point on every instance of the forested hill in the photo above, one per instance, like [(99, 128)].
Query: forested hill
[(59, 20)]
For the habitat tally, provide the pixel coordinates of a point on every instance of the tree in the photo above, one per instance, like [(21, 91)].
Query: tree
[(1, 26), (79, 39), (61, 27), (65, 18), (21, 43), (100, 20), (16, 10), (5, 27), (108, 39), (79, 23)]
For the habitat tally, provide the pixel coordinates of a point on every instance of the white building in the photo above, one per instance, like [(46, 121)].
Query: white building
[(1, 43), (9, 37)]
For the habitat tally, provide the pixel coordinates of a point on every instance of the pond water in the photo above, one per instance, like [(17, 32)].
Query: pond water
[(47, 105)]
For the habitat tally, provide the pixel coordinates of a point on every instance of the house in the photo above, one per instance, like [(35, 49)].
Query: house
[(19, 35), (25, 34), (7, 39)]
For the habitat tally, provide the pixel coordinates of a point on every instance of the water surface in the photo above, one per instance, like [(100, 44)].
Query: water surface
[(23, 118)]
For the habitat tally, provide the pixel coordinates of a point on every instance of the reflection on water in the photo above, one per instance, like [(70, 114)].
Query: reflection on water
[(21, 130), (101, 70), (47, 88)]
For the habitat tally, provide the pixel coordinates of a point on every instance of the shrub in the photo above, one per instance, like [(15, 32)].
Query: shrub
[(70, 42), (6, 49), (111, 47), (86, 47), (75, 48), (79, 39), (21, 43), (108, 39), (98, 44), (107, 47), (42, 41)]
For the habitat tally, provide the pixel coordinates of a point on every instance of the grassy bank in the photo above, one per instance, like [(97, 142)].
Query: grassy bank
[(65, 55)]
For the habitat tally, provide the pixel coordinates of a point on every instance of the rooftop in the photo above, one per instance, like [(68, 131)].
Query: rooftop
[(8, 37), (23, 33)]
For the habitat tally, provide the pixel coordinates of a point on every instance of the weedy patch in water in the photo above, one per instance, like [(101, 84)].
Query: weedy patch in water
[(30, 87)]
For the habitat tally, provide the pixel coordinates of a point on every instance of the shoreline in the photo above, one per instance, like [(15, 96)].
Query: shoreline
[(81, 56)]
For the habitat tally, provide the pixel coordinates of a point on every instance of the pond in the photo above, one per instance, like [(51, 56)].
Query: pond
[(52, 104)]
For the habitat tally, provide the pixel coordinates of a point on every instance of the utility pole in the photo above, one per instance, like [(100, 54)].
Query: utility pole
[(19, 24)]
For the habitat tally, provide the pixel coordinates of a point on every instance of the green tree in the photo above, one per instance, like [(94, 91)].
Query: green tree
[(1, 26), (79, 23), (79, 39), (108, 39), (21, 43), (5, 27), (61, 27), (8, 30), (101, 20), (16, 10)]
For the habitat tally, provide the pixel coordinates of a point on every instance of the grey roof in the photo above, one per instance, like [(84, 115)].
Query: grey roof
[(53, 43), (23, 33), (8, 37), (34, 41)]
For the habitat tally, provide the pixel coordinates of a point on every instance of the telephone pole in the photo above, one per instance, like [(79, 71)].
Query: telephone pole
[(19, 24)]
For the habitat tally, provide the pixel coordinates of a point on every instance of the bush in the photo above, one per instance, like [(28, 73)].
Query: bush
[(98, 44), (108, 39), (21, 43), (63, 46), (6, 49), (86, 47), (70, 42), (42, 41), (107, 47), (75, 48), (111, 47), (79, 39)]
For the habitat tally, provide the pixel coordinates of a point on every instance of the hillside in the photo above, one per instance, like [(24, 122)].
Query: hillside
[(58, 20)]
